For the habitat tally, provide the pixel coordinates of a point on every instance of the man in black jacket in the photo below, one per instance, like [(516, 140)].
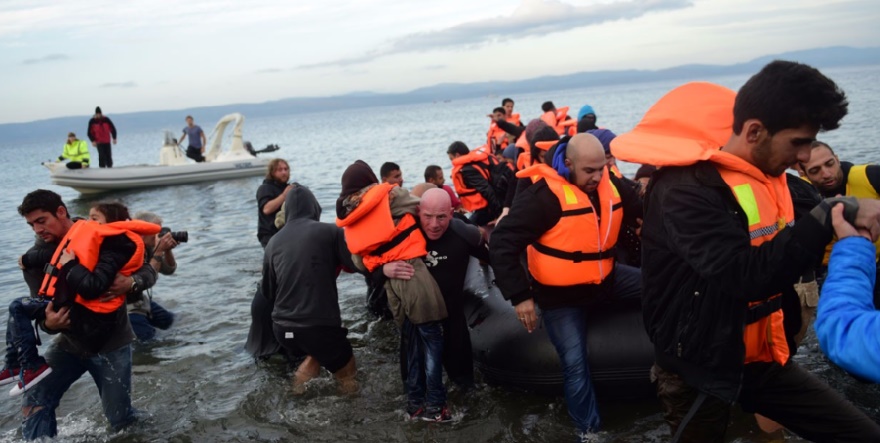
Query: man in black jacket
[(535, 219), (299, 280), (489, 187), (705, 283), (99, 344)]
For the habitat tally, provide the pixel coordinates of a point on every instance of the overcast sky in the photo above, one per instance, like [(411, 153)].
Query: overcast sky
[(64, 58)]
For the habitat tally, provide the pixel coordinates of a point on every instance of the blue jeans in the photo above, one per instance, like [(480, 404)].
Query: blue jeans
[(112, 374), (21, 338), (144, 327), (424, 355), (567, 328)]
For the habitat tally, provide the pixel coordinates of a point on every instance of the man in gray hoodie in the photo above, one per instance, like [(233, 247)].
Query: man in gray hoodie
[(299, 278)]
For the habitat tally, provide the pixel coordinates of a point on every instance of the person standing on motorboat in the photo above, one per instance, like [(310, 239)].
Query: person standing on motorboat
[(568, 221), (102, 132), (196, 148), (76, 152)]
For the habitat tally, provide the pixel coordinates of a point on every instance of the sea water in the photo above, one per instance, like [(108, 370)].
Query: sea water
[(197, 384)]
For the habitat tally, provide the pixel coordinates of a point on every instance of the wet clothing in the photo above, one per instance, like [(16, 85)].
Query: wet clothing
[(789, 395), (535, 211), (327, 344), (848, 325), (424, 354), (97, 343), (145, 314), (269, 190)]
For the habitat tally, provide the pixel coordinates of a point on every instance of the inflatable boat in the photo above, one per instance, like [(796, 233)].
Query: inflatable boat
[(173, 169), (619, 350)]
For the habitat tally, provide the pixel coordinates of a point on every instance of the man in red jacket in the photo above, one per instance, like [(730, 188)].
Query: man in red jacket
[(101, 132)]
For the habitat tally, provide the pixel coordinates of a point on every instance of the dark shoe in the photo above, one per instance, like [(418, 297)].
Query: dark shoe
[(439, 414), (415, 412), (9, 376), (29, 378)]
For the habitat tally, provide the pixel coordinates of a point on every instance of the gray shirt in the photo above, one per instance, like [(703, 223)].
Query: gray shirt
[(194, 134)]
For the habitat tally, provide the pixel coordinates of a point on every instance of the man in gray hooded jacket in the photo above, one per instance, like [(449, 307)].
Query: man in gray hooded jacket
[(299, 278)]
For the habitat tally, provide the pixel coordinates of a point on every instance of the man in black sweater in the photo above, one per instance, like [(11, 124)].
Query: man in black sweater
[(299, 280)]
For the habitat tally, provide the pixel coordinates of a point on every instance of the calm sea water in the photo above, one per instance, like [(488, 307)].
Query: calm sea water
[(197, 384)]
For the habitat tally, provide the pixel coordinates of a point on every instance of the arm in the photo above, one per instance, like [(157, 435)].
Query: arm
[(270, 205), (847, 323), (89, 131), (509, 128), (162, 259), (533, 213), (699, 225), (477, 246), (114, 253), (204, 140), (182, 138), (474, 180)]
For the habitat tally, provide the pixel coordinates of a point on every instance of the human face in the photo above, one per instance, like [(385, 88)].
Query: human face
[(395, 178), (773, 154), (48, 226), (434, 220), (610, 160), (189, 121), (499, 115), (824, 169), (586, 171), (508, 107), (439, 179), (98, 216), (281, 174)]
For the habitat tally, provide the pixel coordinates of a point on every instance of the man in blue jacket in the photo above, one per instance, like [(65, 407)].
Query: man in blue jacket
[(847, 324)]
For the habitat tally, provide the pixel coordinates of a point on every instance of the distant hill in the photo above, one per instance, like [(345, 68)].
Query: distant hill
[(823, 58)]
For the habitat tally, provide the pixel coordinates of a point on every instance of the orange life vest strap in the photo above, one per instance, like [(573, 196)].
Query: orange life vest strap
[(394, 242)]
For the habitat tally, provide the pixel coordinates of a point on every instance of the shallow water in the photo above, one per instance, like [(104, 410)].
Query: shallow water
[(197, 384)]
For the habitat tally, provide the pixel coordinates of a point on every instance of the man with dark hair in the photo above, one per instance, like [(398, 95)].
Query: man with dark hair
[(95, 335), (270, 197), (197, 142), (507, 104), (548, 106), (101, 132), (480, 181), (721, 251), (434, 175), (390, 173), (497, 136)]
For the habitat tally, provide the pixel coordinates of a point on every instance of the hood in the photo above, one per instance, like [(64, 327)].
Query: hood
[(687, 125), (301, 203)]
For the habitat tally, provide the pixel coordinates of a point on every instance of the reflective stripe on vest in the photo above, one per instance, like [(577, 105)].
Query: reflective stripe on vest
[(85, 238), (766, 203), (579, 249)]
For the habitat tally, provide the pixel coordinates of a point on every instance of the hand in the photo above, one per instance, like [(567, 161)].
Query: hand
[(66, 256), (21, 262), (166, 243), (504, 213), (843, 229), (114, 141), (868, 216), (121, 285), (94, 143), (400, 270), (202, 150), (287, 189), (525, 312), (56, 321), (639, 229)]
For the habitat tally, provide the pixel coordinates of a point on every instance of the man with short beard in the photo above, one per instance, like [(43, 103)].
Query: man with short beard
[(270, 197)]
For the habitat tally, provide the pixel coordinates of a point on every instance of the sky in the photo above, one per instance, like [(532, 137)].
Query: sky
[(64, 58)]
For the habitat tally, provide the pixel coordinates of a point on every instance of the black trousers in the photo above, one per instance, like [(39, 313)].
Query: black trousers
[(788, 395), (195, 154), (105, 155)]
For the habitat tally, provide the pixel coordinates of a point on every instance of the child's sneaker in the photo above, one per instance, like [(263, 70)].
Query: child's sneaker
[(439, 414), (9, 376), (415, 412), (29, 378)]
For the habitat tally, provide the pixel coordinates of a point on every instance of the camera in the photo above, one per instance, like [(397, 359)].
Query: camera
[(179, 236)]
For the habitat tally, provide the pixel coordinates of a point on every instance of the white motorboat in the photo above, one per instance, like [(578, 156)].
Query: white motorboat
[(173, 169)]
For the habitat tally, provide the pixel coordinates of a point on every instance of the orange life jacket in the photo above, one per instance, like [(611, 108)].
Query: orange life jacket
[(370, 231), (496, 136), (85, 238), (513, 119), (471, 200), (557, 121), (580, 248), (689, 125), (524, 160)]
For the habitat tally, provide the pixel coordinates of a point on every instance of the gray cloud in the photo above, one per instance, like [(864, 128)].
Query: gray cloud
[(533, 18), (128, 84), (45, 59)]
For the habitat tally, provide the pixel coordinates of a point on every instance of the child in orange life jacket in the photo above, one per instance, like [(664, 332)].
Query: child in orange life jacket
[(380, 228), (23, 362)]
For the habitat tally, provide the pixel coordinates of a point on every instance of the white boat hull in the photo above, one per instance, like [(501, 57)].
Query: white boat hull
[(97, 180)]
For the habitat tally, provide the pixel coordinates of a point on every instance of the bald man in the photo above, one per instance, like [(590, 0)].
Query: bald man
[(568, 221), (450, 244)]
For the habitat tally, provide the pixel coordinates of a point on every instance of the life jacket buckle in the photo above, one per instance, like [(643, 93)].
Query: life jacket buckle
[(51, 270)]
